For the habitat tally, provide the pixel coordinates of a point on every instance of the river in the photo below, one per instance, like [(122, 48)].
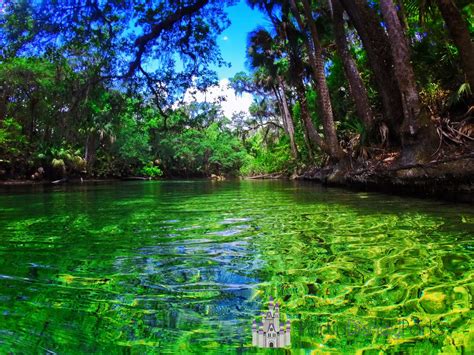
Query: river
[(186, 266)]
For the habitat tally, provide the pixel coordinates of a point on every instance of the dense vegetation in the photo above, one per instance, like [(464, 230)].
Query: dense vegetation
[(95, 88), (359, 80)]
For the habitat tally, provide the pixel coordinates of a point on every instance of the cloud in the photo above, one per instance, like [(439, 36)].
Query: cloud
[(225, 38), (233, 103)]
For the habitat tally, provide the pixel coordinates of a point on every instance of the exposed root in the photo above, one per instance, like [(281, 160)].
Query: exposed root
[(450, 132)]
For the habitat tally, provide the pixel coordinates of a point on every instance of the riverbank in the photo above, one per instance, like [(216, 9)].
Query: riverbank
[(72, 181), (448, 179)]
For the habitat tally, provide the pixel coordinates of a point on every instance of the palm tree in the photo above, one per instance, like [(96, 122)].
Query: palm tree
[(376, 44), (402, 66), (262, 57), (290, 41), (417, 132), (296, 76), (460, 34), (356, 85), (314, 49)]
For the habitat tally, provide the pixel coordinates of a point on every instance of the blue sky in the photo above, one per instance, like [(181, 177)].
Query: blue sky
[(233, 41), (233, 45)]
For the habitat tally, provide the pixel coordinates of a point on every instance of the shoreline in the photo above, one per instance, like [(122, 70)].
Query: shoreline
[(449, 180), (26, 182)]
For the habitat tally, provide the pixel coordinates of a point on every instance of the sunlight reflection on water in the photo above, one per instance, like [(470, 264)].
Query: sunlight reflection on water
[(186, 267)]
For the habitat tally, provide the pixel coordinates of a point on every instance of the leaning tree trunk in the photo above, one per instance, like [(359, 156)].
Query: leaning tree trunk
[(276, 92), (376, 44), (356, 85), (415, 129), (460, 34), (314, 138), (287, 117), (314, 49)]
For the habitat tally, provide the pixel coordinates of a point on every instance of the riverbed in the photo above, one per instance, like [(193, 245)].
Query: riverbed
[(186, 266)]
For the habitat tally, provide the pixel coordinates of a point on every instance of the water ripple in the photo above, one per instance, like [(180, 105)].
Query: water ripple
[(179, 267)]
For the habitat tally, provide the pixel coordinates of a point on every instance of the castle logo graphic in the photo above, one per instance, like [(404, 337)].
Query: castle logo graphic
[(269, 333)]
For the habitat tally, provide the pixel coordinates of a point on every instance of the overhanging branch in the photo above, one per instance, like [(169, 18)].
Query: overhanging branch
[(142, 42)]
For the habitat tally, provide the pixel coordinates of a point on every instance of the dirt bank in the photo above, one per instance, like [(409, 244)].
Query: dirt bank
[(449, 179)]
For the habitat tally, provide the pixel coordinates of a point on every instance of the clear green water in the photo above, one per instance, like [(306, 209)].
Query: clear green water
[(185, 267)]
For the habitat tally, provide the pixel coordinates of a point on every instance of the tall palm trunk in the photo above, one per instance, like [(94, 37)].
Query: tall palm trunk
[(313, 46), (314, 138), (402, 66), (376, 44), (417, 132), (276, 92), (356, 85), (460, 34), (290, 127), (311, 137)]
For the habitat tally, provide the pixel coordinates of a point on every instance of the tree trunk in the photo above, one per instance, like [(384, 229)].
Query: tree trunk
[(460, 34), (90, 151), (416, 140), (402, 65), (287, 117), (276, 92), (356, 85), (3, 103), (402, 16), (314, 49), (33, 103), (376, 43), (314, 138)]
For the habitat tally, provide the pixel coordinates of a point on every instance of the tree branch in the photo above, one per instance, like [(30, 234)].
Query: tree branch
[(150, 83), (142, 42)]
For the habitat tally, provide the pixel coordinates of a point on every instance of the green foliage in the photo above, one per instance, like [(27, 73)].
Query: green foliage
[(264, 160), (201, 151), (130, 146), (151, 171), (434, 97), (12, 141), (463, 92), (354, 125), (98, 36), (63, 107), (63, 160)]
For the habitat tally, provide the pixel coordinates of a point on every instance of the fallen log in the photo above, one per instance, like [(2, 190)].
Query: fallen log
[(266, 176), (60, 181), (134, 178)]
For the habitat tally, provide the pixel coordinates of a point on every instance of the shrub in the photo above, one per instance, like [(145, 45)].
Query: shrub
[(151, 171)]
